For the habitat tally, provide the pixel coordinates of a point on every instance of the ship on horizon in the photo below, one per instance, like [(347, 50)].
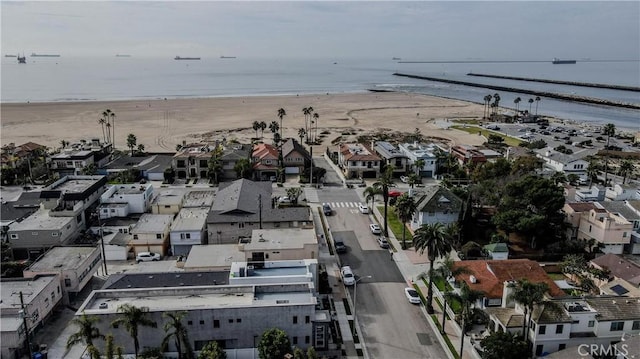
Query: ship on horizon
[(227, 57), (186, 58), (557, 61), (22, 59), (122, 55), (43, 55), (9, 55)]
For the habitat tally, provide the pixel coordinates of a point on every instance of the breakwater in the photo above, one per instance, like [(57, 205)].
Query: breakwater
[(559, 96), (571, 83)]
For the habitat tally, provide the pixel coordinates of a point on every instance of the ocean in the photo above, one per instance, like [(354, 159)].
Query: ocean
[(122, 78)]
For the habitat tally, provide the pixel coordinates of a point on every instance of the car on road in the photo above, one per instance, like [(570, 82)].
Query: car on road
[(382, 242), (326, 209), (147, 257), (493, 127), (412, 295), (284, 200), (347, 276), (404, 179), (340, 247), (364, 209), (375, 229)]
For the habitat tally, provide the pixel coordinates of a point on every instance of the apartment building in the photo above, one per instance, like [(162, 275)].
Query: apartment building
[(611, 231), (427, 152), (192, 160), (124, 199)]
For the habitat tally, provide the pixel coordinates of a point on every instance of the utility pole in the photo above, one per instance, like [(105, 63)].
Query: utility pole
[(104, 257), (311, 172), (260, 209), (23, 314)]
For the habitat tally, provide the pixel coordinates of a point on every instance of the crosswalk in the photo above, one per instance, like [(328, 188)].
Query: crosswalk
[(343, 204)]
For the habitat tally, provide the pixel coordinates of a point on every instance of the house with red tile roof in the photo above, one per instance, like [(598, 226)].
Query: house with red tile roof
[(492, 276), (358, 161), (265, 162)]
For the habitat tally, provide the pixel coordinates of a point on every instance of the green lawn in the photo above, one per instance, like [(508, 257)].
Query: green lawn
[(395, 225), (509, 141)]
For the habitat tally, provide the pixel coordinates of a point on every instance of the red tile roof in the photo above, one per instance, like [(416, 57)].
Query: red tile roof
[(264, 150), (357, 152), (491, 275)]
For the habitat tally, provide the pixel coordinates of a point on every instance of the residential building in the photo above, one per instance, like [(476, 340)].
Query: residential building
[(392, 156), (590, 194), (427, 152), (234, 315), (265, 162), (17, 210), (151, 167), (74, 196), (358, 161), (618, 267), (73, 159), (188, 228), (287, 271), (494, 277), (115, 237), (573, 214), (192, 160), (168, 200), (13, 156), (41, 231), (497, 251), (242, 206), (574, 163), (295, 157), (128, 198), (435, 204), (610, 231), (490, 155), (626, 210), (468, 155), (199, 198), (231, 154), (73, 266), (621, 192), (151, 234), (32, 298)]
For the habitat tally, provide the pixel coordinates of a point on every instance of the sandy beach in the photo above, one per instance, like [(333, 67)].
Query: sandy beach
[(162, 124)]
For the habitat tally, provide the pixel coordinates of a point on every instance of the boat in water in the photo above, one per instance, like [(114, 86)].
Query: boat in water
[(396, 59), (557, 61), (43, 55), (122, 55), (10, 55), (186, 58), (22, 59), (227, 57)]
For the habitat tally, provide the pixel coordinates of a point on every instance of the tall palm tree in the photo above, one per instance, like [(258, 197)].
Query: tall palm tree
[(431, 237), (445, 271), (263, 126), (87, 330), (102, 122), (610, 130), (528, 294), (405, 208), (466, 298), (370, 194), (176, 330), (487, 100), (281, 114), (301, 133), (132, 318), (256, 127), (537, 100), (626, 169), (316, 118), (530, 102), (383, 183), (214, 167), (517, 102), (418, 165), (274, 127), (496, 101)]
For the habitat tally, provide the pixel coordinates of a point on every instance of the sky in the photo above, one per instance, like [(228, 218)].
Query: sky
[(416, 30)]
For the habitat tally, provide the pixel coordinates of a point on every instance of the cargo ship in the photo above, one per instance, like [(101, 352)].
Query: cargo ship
[(122, 55), (186, 58), (10, 55), (557, 61), (43, 55), (227, 57), (22, 59)]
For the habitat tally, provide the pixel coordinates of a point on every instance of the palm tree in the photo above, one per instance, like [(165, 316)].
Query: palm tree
[(132, 318), (263, 126), (131, 142), (383, 184), (281, 114), (626, 169), (530, 102), (609, 130), (370, 194), (140, 148), (301, 133), (64, 144), (517, 102), (528, 294), (487, 101), (419, 165), (537, 100), (256, 127), (307, 111), (592, 171), (316, 118), (466, 298), (176, 330), (405, 208), (102, 122), (431, 237), (87, 330), (215, 165), (274, 127), (445, 271), (413, 179), (496, 101), (242, 167)]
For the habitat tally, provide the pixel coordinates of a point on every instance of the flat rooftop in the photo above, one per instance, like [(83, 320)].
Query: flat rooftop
[(130, 189), (30, 289), (169, 196), (286, 238), (62, 258), (190, 219), (199, 198), (198, 298), (75, 185), (152, 223), (41, 220), (213, 256)]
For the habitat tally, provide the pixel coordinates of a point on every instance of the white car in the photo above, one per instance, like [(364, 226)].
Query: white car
[(404, 179), (147, 257), (375, 229), (363, 208), (347, 276), (382, 242), (412, 295), (284, 200)]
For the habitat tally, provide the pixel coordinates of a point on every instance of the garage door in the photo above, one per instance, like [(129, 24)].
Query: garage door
[(292, 170)]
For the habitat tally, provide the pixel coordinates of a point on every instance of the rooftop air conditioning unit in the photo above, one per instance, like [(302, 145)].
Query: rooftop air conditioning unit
[(473, 279)]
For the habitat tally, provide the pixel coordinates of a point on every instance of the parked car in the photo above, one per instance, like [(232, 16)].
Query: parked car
[(284, 200), (382, 242), (339, 245), (364, 209), (326, 208), (147, 257), (412, 295), (347, 276), (493, 127), (375, 229), (404, 179)]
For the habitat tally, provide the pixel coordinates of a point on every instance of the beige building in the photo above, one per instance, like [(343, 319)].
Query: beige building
[(168, 201), (610, 230), (150, 234)]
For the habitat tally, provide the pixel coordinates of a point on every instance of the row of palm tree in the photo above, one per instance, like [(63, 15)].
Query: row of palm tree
[(492, 108), (107, 123), (132, 319)]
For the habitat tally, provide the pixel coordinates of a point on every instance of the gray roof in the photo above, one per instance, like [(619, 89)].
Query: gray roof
[(615, 308), (563, 158), (289, 214), (387, 150), (172, 279), (236, 152), (437, 199), (620, 207), (155, 163), (507, 316), (241, 196), (292, 145), (27, 203), (619, 267), (551, 312)]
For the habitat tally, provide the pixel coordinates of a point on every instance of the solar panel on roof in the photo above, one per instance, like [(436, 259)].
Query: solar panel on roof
[(619, 290)]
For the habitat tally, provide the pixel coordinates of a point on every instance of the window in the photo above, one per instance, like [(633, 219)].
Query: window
[(617, 326), (185, 235), (624, 234), (230, 320), (559, 328), (295, 319), (542, 329), (589, 228), (190, 322), (238, 320), (307, 339), (14, 236), (202, 322), (135, 236), (307, 319), (67, 282), (54, 234), (115, 326), (295, 340), (158, 236), (167, 206), (636, 325), (591, 323), (216, 323)]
